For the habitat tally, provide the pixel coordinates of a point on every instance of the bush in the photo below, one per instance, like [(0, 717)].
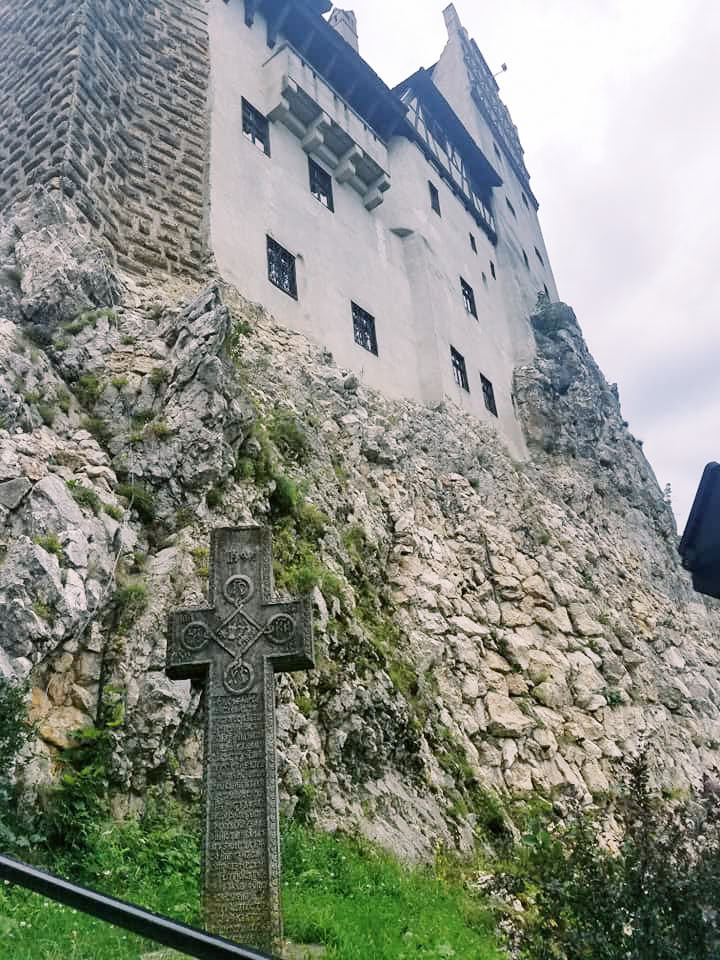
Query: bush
[(287, 434), (658, 898)]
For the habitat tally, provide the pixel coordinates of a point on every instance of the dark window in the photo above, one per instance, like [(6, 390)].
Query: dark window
[(459, 372), (539, 256), (468, 297), (255, 127), (492, 269), (281, 268), (525, 201), (510, 207), (547, 292), (434, 198), (321, 185), (364, 329), (497, 152), (525, 258), (488, 395), (473, 244), (484, 278)]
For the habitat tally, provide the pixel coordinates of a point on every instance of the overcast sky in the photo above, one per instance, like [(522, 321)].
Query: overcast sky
[(617, 103)]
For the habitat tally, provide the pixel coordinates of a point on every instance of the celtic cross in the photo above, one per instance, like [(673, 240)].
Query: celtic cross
[(237, 644)]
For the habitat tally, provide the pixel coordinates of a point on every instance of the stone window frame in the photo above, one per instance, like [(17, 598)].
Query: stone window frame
[(364, 332), (434, 198), (488, 395), (281, 268), (321, 185), (468, 295), (459, 369), (255, 127)]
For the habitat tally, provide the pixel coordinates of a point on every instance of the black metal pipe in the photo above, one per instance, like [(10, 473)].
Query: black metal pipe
[(179, 936)]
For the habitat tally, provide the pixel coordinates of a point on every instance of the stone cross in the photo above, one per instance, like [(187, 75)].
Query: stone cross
[(237, 644)]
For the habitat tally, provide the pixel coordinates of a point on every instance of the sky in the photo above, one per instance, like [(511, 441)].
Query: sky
[(617, 103)]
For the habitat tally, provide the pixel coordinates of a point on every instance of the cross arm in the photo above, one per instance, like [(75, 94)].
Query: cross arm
[(289, 630), (188, 649)]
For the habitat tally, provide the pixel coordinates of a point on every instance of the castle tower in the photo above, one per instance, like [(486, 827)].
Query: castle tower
[(106, 101)]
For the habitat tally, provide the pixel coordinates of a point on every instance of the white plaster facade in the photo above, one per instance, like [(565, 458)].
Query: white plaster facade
[(383, 247)]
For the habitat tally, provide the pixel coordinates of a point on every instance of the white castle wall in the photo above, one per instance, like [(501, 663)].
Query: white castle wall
[(399, 261)]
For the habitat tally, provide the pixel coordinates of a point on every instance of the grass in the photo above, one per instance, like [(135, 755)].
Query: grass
[(362, 903), (343, 893)]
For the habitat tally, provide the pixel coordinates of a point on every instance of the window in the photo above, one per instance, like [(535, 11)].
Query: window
[(497, 152), (525, 201), (547, 292), (468, 297), (364, 329), (459, 372), (488, 395), (484, 278), (525, 258), (492, 269), (255, 127), (510, 207), (434, 198), (281, 268), (539, 256), (321, 185), (473, 244)]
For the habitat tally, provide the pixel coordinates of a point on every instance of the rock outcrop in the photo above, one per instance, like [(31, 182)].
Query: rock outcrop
[(481, 624)]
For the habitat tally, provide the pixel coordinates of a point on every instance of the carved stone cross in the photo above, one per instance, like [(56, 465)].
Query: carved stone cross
[(238, 643)]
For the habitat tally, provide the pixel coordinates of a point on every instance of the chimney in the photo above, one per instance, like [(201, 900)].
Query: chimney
[(452, 20), (345, 22)]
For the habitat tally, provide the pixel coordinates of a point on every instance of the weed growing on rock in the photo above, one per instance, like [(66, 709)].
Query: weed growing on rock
[(139, 498), (85, 496), (50, 543), (128, 603)]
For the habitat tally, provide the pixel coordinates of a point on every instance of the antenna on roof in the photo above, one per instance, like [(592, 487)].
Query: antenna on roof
[(503, 68)]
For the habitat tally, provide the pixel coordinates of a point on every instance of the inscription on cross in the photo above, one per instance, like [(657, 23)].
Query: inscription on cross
[(237, 644)]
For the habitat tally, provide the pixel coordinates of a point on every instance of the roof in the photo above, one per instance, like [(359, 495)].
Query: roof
[(479, 169), (302, 24)]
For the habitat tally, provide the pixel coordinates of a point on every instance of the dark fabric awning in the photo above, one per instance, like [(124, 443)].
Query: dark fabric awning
[(700, 544)]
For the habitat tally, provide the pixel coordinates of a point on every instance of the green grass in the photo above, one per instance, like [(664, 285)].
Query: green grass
[(362, 903), (155, 865), (343, 893)]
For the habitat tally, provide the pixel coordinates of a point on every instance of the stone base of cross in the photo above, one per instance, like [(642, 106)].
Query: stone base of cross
[(237, 644)]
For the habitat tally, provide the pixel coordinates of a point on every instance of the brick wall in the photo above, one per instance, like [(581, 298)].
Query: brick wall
[(107, 100)]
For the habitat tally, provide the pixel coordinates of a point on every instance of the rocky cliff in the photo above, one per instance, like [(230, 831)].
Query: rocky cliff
[(482, 625)]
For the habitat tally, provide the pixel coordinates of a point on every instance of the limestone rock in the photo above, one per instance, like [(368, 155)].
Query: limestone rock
[(505, 719)]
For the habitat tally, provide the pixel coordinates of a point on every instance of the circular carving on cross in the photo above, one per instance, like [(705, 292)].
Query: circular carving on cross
[(238, 590), (238, 677), (280, 628), (194, 636)]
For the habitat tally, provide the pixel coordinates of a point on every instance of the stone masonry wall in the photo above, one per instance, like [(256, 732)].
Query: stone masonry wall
[(115, 115)]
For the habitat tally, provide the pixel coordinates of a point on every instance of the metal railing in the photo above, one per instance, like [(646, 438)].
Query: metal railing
[(169, 933)]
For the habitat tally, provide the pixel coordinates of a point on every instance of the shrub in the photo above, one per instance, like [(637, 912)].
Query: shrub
[(657, 898), (287, 434), (88, 390), (139, 498)]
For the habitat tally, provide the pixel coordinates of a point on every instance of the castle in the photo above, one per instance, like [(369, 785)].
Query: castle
[(396, 227)]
